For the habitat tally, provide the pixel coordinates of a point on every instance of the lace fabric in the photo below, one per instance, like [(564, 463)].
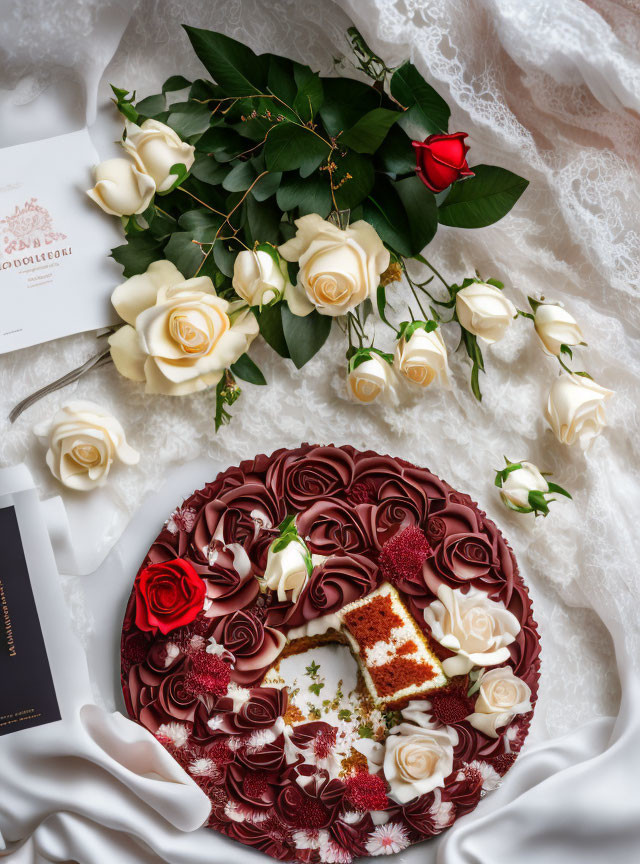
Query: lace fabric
[(550, 90)]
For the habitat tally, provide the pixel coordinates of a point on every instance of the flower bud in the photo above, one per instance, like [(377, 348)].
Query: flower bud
[(370, 379), (484, 310), (555, 327), (422, 358), (575, 409), (257, 278)]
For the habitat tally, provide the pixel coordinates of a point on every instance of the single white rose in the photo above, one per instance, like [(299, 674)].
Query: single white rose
[(84, 440), (257, 278), (156, 148), (502, 695), (179, 336), (422, 359), (517, 485), (575, 409), (287, 570), (339, 269), (476, 628), (121, 189), (484, 311), (556, 327), (418, 755), (371, 380)]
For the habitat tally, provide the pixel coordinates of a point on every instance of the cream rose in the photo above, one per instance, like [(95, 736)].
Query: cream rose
[(556, 327), (121, 189), (156, 148), (484, 310), (179, 336), (257, 278), (517, 485), (287, 570), (84, 440), (418, 755), (422, 359), (502, 695), (371, 379), (338, 268), (476, 628), (575, 409)]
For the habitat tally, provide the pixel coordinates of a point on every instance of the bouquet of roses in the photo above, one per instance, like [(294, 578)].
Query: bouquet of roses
[(274, 201)]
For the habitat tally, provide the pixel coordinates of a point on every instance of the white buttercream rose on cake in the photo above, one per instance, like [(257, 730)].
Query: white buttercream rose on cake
[(418, 755), (179, 336), (339, 268), (476, 628), (287, 569), (84, 441), (501, 696)]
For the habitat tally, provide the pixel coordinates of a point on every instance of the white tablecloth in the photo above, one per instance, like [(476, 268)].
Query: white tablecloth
[(548, 89)]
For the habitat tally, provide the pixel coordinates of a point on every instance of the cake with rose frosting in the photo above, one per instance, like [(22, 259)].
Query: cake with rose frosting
[(337, 647)]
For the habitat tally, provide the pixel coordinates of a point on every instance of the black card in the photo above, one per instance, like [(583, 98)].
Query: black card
[(27, 693)]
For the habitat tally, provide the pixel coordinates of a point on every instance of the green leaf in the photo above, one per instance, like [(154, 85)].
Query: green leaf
[(365, 731), (381, 301), (289, 147), (310, 195), (223, 142), (483, 199), (280, 80), (136, 255), (152, 105), (370, 131), (232, 65), (227, 391), (263, 221), (345, 102), (425, 107), (353, 178), (316, 688), (558, 490), (189, 118), (224, 257), (184, 253), (201, 224), (246, 369), (420, 206), (310, 94), (396, 155), (306, 335), (267, 186), (240, 177), (175, 82), (123, 103), (208, 170), (270, 323)]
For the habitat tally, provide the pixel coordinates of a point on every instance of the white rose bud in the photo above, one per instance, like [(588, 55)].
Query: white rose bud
[(287, 569), (156, 148), (339, 269), (84, 440), (484, 310), (257, 278), (556, 327), (575, 409), (370, 379), (179, 336), (422, 359), (121, 189), (501, 696), (519, 483)]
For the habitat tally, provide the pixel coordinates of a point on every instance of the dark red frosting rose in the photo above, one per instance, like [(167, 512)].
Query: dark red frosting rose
[(168, 595), (371, 517), (441, 160)]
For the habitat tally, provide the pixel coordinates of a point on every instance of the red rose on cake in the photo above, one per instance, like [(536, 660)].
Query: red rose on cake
[(168, 595), (441, 160)]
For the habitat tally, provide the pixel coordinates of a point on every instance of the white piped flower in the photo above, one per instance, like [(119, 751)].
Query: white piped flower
[(216, 722), (177, 733), (306, 838), (215, 647), (172, 652), (331, 852), (387, 839), (240, 695), (203, 767), (502, 695)]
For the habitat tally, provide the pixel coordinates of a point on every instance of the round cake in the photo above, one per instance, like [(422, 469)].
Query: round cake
[(337, 647)]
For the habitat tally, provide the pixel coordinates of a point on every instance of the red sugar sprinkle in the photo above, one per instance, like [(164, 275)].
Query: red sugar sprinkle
[(366, 792), (208, 674), (255, 784), (219, 752), (404, 554), (308, 812), (503, 762), (449, 707)]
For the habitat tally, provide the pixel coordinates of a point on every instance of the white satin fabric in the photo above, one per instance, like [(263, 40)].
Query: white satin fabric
[(547, 88)]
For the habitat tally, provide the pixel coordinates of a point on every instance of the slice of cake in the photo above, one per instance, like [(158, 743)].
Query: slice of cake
[(392, 651)]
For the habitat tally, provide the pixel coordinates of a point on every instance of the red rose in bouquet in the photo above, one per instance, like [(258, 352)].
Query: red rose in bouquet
[(168, 595), (441, 160)]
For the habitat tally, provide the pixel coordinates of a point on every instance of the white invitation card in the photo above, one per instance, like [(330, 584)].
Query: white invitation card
[(55, 274)]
